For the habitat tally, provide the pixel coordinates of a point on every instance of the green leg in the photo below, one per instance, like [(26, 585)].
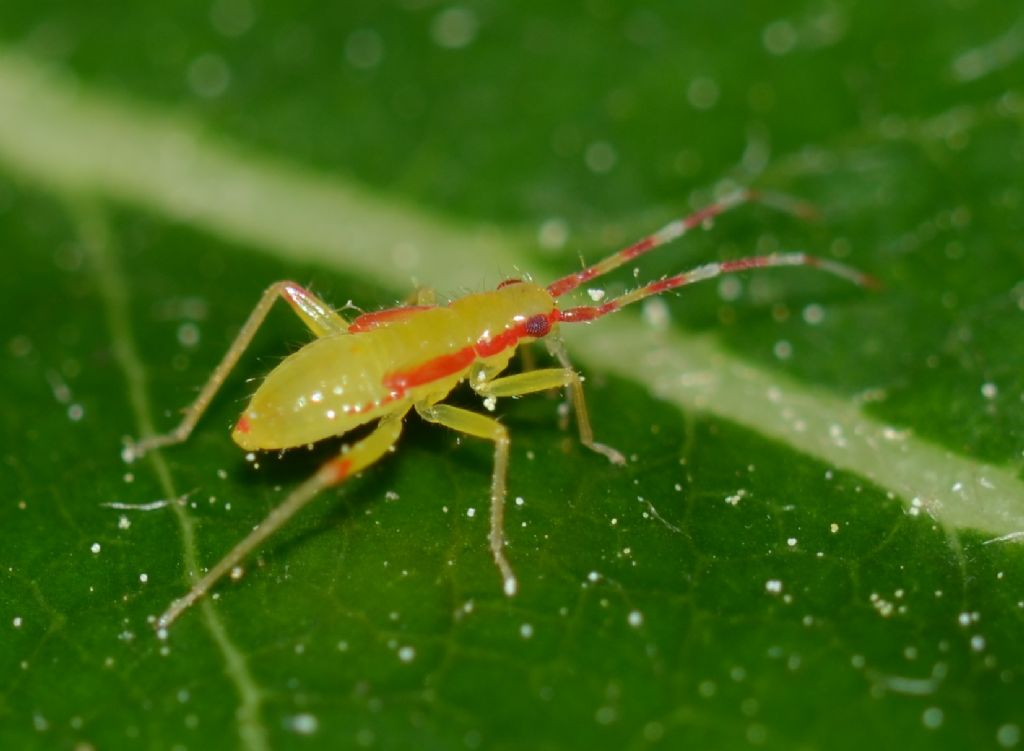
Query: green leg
[(542, 380), (481, 426)]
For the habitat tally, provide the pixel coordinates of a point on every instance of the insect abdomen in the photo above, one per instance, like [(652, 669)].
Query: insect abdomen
[(337, 383), (326, 388)]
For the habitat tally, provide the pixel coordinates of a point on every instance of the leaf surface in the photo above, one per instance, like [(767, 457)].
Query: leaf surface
[(813, 542)]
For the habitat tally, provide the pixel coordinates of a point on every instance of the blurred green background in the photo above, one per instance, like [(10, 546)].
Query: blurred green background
[(814, 542)]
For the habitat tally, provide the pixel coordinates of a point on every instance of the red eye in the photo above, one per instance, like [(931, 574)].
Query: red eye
[(537, 325), (509, 282)]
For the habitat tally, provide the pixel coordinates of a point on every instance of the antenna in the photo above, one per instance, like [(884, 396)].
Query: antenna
[(676, 229)]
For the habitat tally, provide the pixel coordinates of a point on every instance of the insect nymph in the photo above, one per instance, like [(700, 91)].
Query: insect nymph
[(380, 366)]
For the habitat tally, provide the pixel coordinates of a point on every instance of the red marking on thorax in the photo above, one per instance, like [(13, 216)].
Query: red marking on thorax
[(510, 337), (368, 321), (494, 345), (242, 426), (432, 370), (443, 366)]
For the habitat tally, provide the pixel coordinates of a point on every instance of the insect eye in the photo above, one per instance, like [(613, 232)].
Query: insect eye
[(537, 325), (509, 282)]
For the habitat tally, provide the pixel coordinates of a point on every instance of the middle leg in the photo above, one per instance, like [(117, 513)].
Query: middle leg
[(481, 426)]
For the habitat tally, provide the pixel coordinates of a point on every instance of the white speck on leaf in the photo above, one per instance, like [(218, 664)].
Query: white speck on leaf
[(1008, 735), (932, 717), (304, 724), (454, 28)]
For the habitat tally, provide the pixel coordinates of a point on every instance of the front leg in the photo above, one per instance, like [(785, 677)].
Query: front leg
[(542, 380)]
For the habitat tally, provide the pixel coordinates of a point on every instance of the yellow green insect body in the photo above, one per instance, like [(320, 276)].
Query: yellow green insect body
[(381, 365)]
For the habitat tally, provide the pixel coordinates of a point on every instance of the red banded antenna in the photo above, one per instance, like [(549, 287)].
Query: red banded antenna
[(710, 271), (678, 228)]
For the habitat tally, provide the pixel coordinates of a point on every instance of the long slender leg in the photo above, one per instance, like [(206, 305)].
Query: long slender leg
[(481, 426), (579, 403), (365, 452), (314, 312), (552, 378)]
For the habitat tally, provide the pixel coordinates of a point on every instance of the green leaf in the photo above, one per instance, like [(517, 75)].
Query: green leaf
[(813, 542)]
